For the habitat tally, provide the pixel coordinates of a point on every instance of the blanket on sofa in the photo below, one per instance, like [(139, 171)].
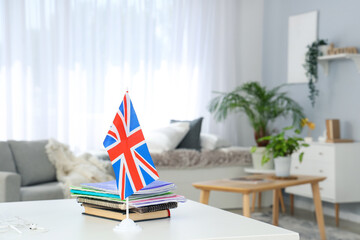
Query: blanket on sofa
[(187, 158), (74, 170)]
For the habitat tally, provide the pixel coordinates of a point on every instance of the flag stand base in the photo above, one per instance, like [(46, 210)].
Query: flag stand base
[(127, 225)]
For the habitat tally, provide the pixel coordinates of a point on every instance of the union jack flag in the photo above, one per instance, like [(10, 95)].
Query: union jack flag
[(128, 152)]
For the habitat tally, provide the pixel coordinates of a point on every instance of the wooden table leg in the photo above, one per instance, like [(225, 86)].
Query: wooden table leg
[(246, 204), (318, 209), (204, 196), (259, 200), (282, 201), (337, 214), (253, 202), (275, 207), (292, 204)]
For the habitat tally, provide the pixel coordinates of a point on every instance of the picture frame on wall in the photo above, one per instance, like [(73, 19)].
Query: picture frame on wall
[(302, 31)]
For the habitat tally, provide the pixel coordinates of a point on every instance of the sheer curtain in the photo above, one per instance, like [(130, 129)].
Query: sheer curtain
[(65, 65)]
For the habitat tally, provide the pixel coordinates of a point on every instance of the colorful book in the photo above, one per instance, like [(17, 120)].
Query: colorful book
[(121, 215), (91, 192), (138, 203), (110, 205), (154, 187), (135, 200)]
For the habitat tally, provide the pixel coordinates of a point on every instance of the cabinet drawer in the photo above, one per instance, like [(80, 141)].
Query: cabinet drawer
[(327, 190), (302, 190), (317, 153), (315, 168)]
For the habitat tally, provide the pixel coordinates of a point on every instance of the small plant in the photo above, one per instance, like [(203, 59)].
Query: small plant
[(310, 66), (281, 146)]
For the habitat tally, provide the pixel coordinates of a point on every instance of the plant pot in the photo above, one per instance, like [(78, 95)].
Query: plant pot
[(282, 166), (323, 49), (257, 157)]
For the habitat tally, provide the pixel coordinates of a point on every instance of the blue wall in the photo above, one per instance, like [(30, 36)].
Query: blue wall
[(339, 22)]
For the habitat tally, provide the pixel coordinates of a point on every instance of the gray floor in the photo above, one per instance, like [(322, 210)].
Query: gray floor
[(305, 224)]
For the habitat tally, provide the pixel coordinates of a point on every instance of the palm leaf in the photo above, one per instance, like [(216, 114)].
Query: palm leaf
[(260, 105)]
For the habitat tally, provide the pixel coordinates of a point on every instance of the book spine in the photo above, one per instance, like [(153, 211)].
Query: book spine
[(120, 206), (121, 216), (154, 208)]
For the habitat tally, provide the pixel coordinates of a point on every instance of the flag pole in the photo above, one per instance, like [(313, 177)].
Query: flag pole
[(127, 208), (127, 225)]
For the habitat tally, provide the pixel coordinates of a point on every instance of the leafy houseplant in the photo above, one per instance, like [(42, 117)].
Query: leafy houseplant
[(261, 106), (281, 148), (310, 66)]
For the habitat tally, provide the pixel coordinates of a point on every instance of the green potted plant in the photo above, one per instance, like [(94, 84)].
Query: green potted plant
[(281, 148), (310, 65), (261, 106)]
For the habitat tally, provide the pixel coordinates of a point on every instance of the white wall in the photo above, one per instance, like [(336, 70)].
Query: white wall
[(248, 60), (250, 52)]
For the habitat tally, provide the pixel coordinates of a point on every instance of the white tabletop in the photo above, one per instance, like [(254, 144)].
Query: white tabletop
[(259, 171), (190, 220)]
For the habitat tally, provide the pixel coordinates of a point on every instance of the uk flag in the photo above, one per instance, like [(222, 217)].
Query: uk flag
[(128, 152)]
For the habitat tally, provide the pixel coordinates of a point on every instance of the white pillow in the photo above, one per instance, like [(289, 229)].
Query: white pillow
[(167, 138), (210, 141)]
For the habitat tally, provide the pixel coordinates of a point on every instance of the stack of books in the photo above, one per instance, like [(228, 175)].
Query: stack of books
[(152, 202)]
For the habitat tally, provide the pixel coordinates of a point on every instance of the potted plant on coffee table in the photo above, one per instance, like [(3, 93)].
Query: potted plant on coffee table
[(261, 106), (281, 147)]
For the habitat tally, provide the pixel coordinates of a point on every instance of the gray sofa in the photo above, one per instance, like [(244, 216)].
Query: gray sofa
[(26, 173)]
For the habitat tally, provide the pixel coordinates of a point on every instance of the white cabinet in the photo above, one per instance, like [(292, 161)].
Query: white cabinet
[(338, 162)]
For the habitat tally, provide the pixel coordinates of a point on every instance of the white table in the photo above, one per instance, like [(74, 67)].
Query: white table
[(191, 220), (259, 171)]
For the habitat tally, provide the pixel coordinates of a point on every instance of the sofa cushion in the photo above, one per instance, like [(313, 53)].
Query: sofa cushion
[(211, 142), (45, 191), (192, 138), (6, 159), (167, 138), (32, 162)]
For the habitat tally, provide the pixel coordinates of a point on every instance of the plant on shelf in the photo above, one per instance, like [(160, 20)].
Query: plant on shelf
[(310, 66), (260, 105), (281, 147)]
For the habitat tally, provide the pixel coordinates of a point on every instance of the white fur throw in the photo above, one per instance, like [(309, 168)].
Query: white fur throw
[(74, 170)]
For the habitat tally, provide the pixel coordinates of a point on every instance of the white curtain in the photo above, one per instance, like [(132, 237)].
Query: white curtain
[(65, 65)]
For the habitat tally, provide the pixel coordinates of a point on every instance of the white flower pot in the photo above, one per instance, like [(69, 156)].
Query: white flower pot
[(257, 157), (323, 49), (282, 166)]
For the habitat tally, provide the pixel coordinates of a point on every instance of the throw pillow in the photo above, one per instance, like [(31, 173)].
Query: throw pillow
[(6, 159), (210, 141), (32, 162), (167, 138), (192, 138)]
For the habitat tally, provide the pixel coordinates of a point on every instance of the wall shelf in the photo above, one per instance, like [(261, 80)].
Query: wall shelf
[(324, 60)]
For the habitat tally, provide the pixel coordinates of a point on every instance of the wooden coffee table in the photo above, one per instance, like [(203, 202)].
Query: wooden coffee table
[(273, 184)]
